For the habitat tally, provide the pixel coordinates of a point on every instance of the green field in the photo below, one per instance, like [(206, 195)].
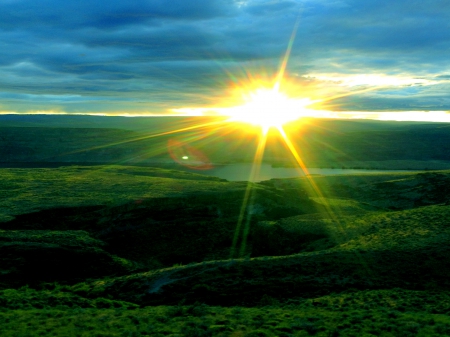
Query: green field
[(135, 251), (327, 143), (139, 248)]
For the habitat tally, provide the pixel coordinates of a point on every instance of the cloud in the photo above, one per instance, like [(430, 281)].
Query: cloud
[(373, 80), (79, 14), (157, 55), (268, 8)]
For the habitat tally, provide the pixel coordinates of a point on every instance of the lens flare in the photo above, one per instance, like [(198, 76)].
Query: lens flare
[(188, 156)]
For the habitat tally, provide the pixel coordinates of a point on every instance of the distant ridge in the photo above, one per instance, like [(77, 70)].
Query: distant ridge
[(323, 143), (142, 123)]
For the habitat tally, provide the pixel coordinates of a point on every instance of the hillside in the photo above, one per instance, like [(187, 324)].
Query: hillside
[(48, 141), (199, 256)]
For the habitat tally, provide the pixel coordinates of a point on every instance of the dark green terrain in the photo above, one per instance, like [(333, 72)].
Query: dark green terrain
[(93, 249), (135, 251), (42, 141)]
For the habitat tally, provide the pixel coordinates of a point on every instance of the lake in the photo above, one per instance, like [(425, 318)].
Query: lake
[(231, 172), (242, 172)]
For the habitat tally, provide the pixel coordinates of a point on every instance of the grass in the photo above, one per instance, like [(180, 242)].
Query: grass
[(31, 190), (365, 314), (366, 192), (372, 250), (54, 296), (362, 144), (124, 208), (424, 226), (369, 257), (64, 238)]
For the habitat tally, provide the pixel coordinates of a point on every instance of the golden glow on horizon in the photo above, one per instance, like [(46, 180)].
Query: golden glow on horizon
[(400, 116), (263, 102), (268, 107)]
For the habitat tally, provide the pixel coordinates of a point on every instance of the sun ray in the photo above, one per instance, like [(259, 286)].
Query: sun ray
[(137, 139), (328, 209), (352, 93), (286, 55), (245, 212), (254, 174)]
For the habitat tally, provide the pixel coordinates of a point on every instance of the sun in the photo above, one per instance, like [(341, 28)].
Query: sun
[(268, 107), (263, 102)]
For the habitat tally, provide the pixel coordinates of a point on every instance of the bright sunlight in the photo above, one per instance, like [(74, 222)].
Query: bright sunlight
[(269, 108), (262, 103)]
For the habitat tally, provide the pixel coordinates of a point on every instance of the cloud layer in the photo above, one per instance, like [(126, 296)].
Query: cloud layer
[(151, 56)]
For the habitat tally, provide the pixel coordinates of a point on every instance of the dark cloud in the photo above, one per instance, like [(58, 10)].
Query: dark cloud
[(412, 98), (75, 14), (268, 8), (157, 52)]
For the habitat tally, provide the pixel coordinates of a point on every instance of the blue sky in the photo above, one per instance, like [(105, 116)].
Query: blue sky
[(154, 56)]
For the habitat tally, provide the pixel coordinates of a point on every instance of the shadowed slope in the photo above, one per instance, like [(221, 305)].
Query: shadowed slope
[(398, 250), (160, 217), (152, 217)]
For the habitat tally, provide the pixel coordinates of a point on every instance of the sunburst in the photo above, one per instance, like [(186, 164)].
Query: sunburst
[(269, 107)]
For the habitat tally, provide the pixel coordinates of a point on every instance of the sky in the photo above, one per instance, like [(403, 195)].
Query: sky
[(365, 59)]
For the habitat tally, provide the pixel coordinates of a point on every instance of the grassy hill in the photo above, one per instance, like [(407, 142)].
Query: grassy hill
[(135, 251)]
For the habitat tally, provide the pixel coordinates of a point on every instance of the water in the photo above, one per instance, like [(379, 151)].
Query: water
[(242, 172), (231, 172)]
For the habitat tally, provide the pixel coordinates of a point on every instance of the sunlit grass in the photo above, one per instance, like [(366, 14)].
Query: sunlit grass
[(391, 241), (28, 190), (350, 314)]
